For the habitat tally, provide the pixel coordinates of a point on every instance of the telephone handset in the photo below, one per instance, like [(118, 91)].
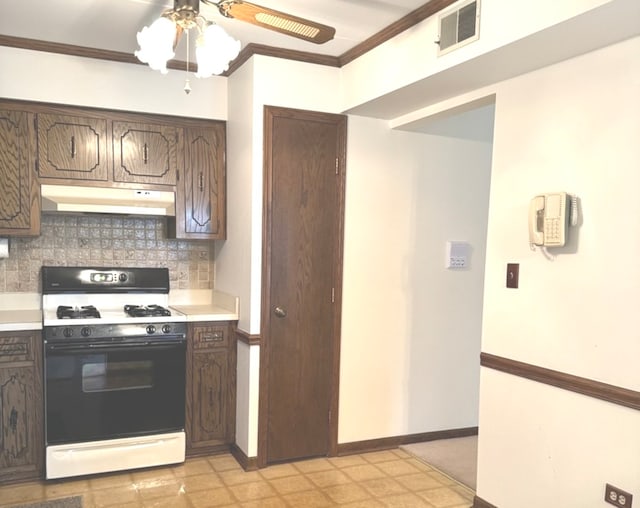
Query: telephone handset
[(549, 218)]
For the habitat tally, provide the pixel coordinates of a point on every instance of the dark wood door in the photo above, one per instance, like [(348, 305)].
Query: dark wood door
[(304, 200), (144, 153), (72, 147)]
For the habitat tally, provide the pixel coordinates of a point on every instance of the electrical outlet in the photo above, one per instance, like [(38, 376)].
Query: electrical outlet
[(617, 497)]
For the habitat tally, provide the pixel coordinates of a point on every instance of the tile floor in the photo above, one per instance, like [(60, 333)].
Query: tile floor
[(391, 478)]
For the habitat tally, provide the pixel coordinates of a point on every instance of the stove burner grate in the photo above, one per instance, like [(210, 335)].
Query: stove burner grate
[(146, 310), (68, 312)]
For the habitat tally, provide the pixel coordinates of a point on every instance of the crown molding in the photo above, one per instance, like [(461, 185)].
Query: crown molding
[(83, 51), (408, 21)]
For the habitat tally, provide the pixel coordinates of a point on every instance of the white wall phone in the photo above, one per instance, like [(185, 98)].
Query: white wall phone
[(549, 218)]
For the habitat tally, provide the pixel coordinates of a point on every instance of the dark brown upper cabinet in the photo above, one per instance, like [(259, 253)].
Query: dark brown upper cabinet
[(200, 193), (20, 203), (72, 147), (144, 153)]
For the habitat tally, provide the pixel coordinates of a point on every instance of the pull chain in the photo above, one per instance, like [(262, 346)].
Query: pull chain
[(187, 85)]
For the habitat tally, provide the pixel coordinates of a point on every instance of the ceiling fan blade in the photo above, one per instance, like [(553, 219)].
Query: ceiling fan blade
[(276, 20)]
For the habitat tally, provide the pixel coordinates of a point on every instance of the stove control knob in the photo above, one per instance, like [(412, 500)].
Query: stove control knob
[(86, 331), (151, 329), (68, 332), (166, 328), (122, 277)]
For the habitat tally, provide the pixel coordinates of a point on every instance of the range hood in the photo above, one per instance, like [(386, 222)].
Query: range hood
[(67, 198)]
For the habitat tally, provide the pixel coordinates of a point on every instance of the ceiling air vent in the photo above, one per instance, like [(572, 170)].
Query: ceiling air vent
[(459, 27)]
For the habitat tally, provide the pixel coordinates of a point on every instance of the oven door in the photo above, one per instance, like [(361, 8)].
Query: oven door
[(106, 391)]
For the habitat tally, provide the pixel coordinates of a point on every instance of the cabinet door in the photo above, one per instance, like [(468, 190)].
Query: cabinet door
[(210, 402), (211, 387), (144, 153), (201, 194), (20, 203), (72, 147), (21, 429)]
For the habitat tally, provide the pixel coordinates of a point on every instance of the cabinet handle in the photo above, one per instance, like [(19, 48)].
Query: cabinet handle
[(13, 350), (201, 181), (213, 337), (145, 153), (73, 147), (13, 419)]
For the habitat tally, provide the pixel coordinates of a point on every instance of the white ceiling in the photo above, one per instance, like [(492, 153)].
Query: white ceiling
[(113, 24)]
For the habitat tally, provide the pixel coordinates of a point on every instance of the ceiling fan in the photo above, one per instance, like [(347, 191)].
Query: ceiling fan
[(215, 49), (264, 17)]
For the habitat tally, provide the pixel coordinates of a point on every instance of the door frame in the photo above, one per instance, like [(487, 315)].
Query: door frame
[(269, 113)]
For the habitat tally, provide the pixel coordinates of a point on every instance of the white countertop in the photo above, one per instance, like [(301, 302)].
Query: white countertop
[(204, 305), (16, 320), (22, 311), (205, 313)]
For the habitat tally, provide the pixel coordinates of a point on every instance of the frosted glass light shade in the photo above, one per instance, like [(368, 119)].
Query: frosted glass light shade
[(214, 50), (156, 44)]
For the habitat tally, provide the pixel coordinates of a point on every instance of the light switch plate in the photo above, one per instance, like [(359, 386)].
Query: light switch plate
[(513, 273)]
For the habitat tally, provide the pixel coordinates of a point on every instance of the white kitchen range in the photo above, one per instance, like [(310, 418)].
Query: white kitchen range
[(114, 370)]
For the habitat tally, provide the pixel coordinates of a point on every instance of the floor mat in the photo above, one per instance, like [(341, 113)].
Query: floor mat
[(66, 502), (455, 457)]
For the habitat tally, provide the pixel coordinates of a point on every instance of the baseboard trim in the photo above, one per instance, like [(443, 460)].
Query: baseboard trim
[(481, 503), (247, 338), (247, 463), (386, 443), (584, 386)]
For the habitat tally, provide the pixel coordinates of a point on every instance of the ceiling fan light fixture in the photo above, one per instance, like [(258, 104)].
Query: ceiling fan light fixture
[(157, 44), (215, 48)]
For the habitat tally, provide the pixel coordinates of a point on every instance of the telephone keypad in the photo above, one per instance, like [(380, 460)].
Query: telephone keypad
[(552, 230)]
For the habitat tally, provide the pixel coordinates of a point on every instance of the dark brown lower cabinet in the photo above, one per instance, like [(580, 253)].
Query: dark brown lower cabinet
[(211, 387), (21, 406)]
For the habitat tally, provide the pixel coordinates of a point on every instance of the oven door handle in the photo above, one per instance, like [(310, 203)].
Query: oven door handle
[(123, 346)]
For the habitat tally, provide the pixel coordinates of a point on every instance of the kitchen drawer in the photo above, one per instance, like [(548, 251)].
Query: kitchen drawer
[(210, 336), (17, 347)]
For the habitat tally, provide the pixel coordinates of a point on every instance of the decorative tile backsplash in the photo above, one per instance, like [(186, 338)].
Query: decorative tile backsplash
[(105, 241)]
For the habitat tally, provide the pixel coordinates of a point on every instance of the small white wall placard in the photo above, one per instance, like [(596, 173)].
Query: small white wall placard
[(457, 255)]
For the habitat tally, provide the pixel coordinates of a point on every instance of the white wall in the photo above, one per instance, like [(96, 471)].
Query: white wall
[(48, 77), (233, 256), (410, 327), (412, 55), (571, 127)]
